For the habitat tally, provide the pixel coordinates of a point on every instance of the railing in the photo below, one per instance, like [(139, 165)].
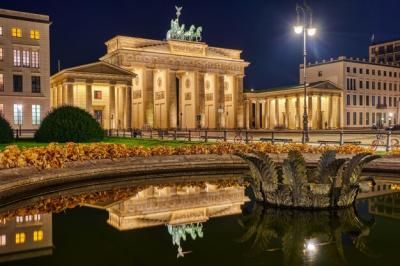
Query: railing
[(378, 139)]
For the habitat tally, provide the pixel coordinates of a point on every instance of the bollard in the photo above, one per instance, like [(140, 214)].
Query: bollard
[(389, 141), (206, 136), (273, 137), (246, 137), (341, 138), (162, 134), (175, 134), (225, 134), (190, 135)]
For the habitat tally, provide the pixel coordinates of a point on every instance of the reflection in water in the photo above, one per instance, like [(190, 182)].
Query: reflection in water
[(183, 208), (303, 235), (26, 236), (388, 206)]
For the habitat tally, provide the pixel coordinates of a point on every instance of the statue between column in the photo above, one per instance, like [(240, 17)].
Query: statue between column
[(177, 31)]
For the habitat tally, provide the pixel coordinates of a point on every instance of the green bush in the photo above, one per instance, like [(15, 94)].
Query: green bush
[(6, 132), (69, 124)]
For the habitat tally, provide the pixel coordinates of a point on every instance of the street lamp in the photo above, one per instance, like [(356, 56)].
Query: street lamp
[(306, 28)]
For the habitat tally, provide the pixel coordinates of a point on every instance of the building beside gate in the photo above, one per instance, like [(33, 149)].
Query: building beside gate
[(179, 82), (24, 68), (283, 107)]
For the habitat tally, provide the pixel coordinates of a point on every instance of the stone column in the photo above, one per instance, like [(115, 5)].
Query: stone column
[(330, 124), (171, 99), (220, 100), (239, 113), (200, 100), (267, 114), (89, 98), (128, 100), (148, 97), (298, 112), (257, 114), (55, 97), (287, 122), (60, 95), (70, 94), (113, 112), (340, 111), (65, 94), (263, 114), (319, 112), (276, 112), (247, 102)]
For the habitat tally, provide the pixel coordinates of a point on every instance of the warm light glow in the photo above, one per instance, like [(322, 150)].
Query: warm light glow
[(311, 31), (390, 115), (298, 29), (310, 247)]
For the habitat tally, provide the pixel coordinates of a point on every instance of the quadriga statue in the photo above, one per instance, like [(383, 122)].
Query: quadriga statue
[(334, 183)]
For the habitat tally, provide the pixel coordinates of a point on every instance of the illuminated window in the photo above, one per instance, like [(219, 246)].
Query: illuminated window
[(25, 58), (1, 82), (1, 109), (1, 31), (19, 238), (98, 95), (19, 219), (18, 121), (17, 57), (1, 53), (37, 217), (35, 34), (35, 117), (37, 236), (3, 241), (35, 59), (16, 32), (28, 218)]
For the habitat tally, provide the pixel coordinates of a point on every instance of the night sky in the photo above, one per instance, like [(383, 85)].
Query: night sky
[(261, 28)]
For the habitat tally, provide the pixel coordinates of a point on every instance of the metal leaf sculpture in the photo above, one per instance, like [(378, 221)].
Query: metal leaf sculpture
[(334, 183)]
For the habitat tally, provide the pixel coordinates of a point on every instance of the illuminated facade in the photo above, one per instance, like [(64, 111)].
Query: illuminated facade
[(24, 68), (26, 236), (283, 107), (102, 89)]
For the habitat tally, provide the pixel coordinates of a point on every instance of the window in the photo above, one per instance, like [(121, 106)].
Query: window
[(390, 73), (354, 118), (384, 100), (37, 217), (19, 238), (367, 100), (348, 69), (17, 57), (16, 32), (373, 85), (37, 236), (361, 122), (17, 81), (354, 99), (348, 118), (3, 241), (390, 101), (35, 84), (18, 114), (384, 86), (367, 84), (35, 114), (361, 84), (35, 34), (319, 73), (360, 71), (373, 72), (373, 100), (367, 71), (395, 101), (1, 53), (361, 100), (384, 73), (19, 219), (379, 72), (98, 95), (1, 82), (35, 59), (379, 85), (348, 100), (373, 118), (367, 118), (354, 70), (25, 58), (390, 86)]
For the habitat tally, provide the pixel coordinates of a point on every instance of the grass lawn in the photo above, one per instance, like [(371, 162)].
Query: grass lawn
[(28, 143)]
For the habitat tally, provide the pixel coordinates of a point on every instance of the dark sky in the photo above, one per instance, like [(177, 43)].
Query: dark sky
[(261, 28)]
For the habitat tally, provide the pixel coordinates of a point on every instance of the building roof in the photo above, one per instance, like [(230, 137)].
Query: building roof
[(12, 14), (99, 67), (318, 85), (383, 42)]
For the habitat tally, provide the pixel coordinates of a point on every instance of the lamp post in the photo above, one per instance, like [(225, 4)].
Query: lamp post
[(306, 28)]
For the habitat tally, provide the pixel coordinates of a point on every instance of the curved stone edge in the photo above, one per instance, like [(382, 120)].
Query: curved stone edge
[(20, 180)]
